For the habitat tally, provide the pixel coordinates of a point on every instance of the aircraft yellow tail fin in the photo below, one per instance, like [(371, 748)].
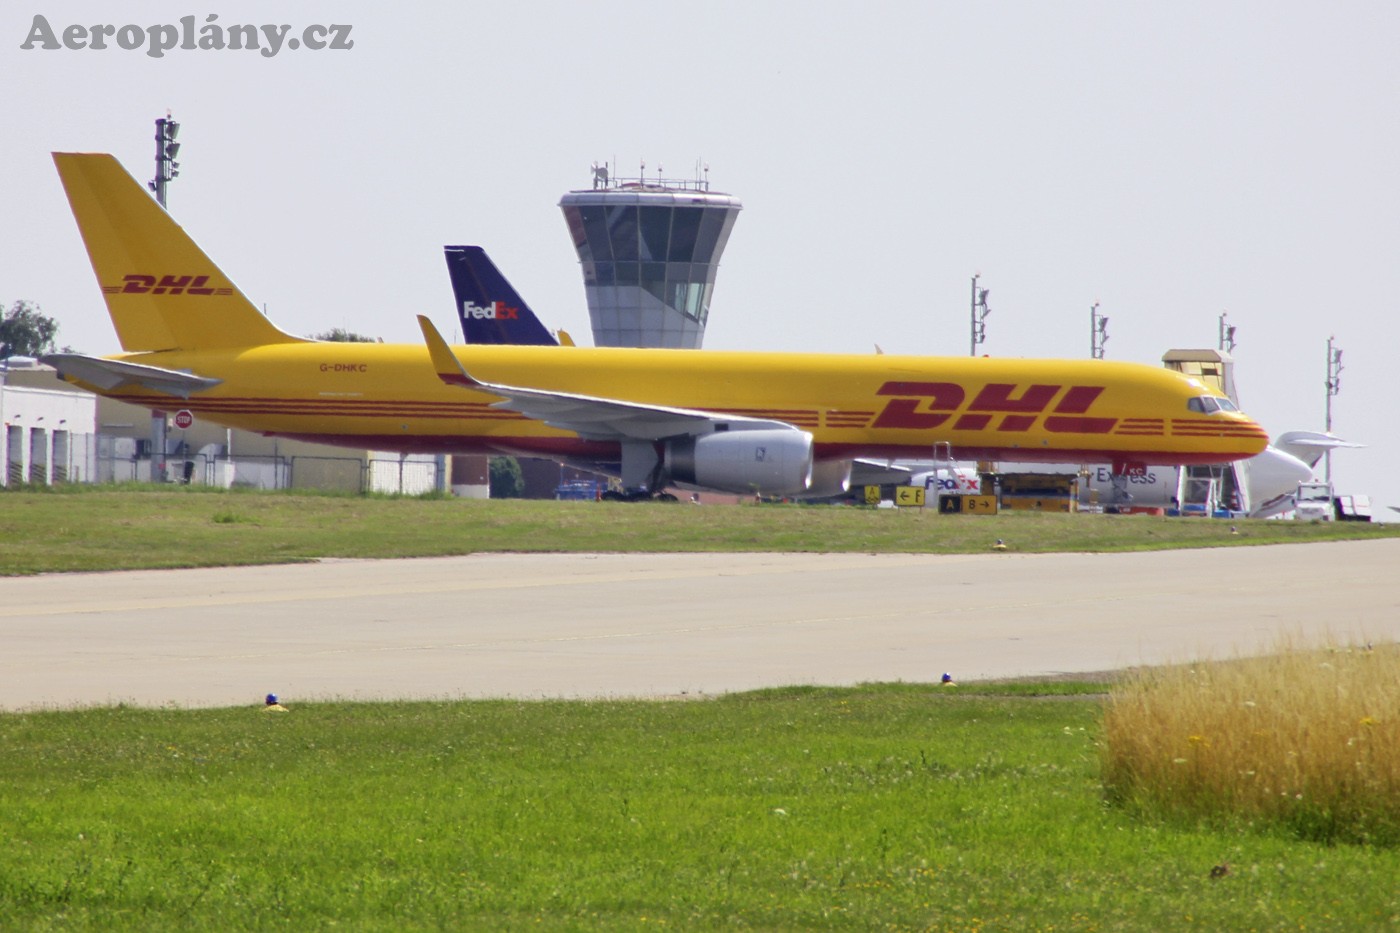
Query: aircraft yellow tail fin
[(162, 291)]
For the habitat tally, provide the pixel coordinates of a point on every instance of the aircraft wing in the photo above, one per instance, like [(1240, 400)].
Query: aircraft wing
[(878, 473), (590, 417), (113, 374)]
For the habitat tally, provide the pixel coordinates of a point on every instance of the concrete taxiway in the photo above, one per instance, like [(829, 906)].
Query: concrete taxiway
[(614, 625)]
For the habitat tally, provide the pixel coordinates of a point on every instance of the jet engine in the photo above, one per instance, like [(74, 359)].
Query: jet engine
[(829, 478), (770, 462)]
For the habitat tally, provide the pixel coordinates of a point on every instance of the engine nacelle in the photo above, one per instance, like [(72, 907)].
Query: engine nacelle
[(770, 462), (829, 478)]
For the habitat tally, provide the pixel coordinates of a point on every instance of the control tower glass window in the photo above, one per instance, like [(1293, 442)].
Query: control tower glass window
[(649, 256), (588, 227), (622, 229), (685, 227), (656, 232)]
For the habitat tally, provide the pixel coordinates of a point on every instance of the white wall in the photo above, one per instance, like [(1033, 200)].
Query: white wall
[(48, 435)]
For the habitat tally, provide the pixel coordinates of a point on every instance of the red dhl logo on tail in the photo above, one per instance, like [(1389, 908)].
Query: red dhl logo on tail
[(165, 285), (934, 404)]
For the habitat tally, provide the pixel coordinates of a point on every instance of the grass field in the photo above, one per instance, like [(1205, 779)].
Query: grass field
[(109, 528), (889, 807), (884, 807), (1304, 739)]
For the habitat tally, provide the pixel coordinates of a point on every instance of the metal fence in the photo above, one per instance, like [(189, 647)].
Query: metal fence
[(42, 457), (406, 476)]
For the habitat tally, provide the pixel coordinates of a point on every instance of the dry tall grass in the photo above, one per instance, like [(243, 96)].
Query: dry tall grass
[(1307, 739)]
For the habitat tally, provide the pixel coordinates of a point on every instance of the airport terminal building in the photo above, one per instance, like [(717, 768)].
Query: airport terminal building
[(649, 252)]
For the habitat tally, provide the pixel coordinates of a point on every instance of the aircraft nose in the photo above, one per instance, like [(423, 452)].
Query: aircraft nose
[(1250, 432)]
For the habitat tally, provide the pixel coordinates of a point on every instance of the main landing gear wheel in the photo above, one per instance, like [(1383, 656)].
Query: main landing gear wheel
[(613, 495)]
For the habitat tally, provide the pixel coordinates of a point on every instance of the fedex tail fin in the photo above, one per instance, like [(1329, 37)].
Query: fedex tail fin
[(491, 310), (162, 291)]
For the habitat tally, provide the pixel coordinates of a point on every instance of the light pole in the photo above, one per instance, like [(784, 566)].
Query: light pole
[(979, 314), (1227, 335), (1098, 332), (167, 169), (1334, 385), (167, 148)]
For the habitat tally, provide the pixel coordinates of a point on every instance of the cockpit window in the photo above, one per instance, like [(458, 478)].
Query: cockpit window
[(1209, 404)]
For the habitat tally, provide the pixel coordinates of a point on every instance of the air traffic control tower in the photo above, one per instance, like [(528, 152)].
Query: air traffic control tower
[(649, 249)]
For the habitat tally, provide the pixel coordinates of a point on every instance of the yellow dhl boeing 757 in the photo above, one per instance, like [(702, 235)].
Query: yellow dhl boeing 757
[(784, 424)]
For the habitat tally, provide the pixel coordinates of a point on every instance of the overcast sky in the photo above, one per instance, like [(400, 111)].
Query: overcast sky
[(1169, 161)]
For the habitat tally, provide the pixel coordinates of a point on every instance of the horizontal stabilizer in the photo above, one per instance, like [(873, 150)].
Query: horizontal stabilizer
[(109, 375), (1309, 446)]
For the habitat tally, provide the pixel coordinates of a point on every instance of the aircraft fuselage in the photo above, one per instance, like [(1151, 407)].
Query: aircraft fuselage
[(387, 396)]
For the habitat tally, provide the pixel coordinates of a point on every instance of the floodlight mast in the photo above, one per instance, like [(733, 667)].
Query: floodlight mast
[(979, 314), (1226, 341), (1334, 385), (1098, 331), (167, 169)]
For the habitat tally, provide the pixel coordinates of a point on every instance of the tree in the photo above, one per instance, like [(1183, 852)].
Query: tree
[(341, 335), (26, 331), (506, 480)]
